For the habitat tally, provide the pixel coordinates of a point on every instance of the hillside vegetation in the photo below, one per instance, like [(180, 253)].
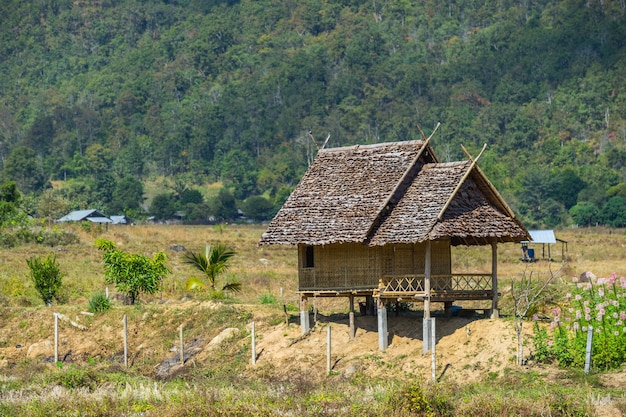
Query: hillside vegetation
[(108, 99)]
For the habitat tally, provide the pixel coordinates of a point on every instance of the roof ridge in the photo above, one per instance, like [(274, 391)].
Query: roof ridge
[(370, 145)]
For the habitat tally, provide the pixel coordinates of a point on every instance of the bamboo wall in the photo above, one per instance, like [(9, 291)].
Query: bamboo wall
[(352, 266)]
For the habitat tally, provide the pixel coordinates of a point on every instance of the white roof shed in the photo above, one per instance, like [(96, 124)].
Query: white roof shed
[(543, 237)]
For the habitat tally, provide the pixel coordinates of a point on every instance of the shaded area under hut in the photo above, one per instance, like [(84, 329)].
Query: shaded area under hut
[(378, 221)]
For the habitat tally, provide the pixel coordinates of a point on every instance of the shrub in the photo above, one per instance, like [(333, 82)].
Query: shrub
[(74, 377), (268, 298), (428, 400), (99, 303), (46, 276), (132, 273)]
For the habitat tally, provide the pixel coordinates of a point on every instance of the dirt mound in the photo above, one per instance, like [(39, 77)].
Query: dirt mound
[(466, 349)]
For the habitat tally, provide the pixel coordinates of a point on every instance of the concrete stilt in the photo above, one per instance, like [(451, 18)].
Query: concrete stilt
[(304, 316), (383, 337), (352, 324), (494, 280)]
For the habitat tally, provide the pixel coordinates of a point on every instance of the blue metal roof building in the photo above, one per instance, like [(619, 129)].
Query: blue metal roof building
[(93, 216), (543, 237)]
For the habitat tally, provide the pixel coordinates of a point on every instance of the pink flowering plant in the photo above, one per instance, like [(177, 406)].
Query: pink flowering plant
[(601, 305)]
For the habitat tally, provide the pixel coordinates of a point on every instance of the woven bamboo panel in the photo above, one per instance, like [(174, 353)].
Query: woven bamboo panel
[(403, 259), (352, 265), (341, 266)]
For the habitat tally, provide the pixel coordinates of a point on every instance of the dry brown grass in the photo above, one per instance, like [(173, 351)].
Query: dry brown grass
[(260, 269), (264, 270)]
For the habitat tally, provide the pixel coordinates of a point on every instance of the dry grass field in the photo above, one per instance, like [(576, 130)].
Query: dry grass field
[(289, 377), (264, 270)]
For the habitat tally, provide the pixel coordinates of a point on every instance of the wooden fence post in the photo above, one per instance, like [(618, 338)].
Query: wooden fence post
[(588, 349), (125, 341), (328, 351), (182, 346), (56, 337), (433, 341), (253, 336)]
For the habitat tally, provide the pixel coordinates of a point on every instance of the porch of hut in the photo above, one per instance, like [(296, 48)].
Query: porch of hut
[(410, 273)]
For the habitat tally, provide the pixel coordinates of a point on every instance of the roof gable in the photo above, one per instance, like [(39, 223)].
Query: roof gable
[(416, 213), (79, 215), (343, 192), (392, 193)]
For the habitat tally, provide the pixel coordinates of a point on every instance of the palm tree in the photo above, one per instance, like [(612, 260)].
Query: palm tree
[(212, 264)]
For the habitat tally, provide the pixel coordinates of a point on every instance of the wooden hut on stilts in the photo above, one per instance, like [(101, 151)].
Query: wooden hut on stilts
[(378, 221)]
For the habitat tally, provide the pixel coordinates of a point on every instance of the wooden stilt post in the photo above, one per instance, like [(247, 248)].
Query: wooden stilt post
[(351, 314), (494, 279), (383, 338), (304, 315), (369, 305)]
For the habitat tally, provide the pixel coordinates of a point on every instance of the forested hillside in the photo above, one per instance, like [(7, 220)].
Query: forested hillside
[(102, 98)]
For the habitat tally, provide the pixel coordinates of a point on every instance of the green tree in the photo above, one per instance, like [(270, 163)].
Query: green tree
[(132, 274), (52, 206), (47, 277), (258, 208), (128, 195), (22, 166), (223, 207), (9, 193), (567, 186), (130, 160), (190, 196), (98, 158), (212, 263), (10, 199), (585, 213), (613, 212), (163, 206), (104, 189)]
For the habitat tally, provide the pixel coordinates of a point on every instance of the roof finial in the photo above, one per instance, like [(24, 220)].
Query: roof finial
[(315, 142), (325, 142), (474, 160), (426, 139), (313, 139)]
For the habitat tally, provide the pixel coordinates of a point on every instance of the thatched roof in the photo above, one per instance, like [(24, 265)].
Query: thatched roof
[(392, 193)]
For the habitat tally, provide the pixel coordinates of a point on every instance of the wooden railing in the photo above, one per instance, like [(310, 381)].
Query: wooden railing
[(412, 284), (400, 285)]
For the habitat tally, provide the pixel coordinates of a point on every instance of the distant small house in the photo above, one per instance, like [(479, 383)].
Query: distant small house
[(543, 238), (122, 219), (92, 215)]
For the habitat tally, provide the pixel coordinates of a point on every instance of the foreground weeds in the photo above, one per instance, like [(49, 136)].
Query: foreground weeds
[(102, 390)]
